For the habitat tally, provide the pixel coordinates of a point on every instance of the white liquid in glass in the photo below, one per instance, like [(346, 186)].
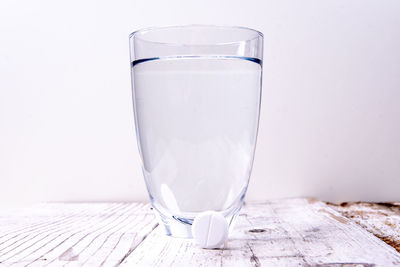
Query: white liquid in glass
[(197, 120)]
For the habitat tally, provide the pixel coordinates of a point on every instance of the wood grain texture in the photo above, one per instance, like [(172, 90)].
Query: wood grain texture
[(380, 219), (73, 234), (278, 233), (291, 232)]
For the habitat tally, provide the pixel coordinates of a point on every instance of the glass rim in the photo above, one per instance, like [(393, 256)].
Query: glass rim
[(257, 34)]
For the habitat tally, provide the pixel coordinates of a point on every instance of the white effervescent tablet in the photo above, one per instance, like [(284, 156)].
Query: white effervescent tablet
[(210, 229)]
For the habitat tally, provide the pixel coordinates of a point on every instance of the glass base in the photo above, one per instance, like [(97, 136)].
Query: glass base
[(175, 228), (182, 227)]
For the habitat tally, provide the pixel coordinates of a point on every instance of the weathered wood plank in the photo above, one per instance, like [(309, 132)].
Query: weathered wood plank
[(289, 232), (36, 241), (31, 238), (285, 233), (380, 219), (61, 245), (73, 234)]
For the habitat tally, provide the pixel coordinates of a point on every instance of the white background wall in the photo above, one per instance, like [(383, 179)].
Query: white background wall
[(330, 122)]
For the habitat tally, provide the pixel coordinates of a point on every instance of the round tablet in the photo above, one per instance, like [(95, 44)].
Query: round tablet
[(210, 229)]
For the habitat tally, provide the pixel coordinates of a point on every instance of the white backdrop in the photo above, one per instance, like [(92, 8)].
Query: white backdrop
[(330, 121)]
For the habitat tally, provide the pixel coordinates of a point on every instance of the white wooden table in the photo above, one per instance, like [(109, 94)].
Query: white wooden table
[(292, 232)]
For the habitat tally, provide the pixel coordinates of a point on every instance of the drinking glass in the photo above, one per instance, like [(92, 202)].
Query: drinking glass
[(196, 98)]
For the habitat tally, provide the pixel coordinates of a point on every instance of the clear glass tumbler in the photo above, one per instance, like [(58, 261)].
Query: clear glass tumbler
[(196, 98)]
